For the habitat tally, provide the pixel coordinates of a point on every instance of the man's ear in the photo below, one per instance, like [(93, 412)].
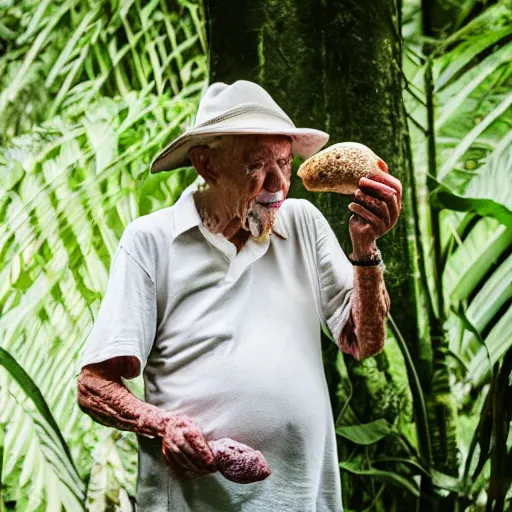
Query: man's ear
[(200, 156)]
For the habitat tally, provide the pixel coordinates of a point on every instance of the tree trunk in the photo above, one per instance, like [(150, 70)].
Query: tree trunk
[(335, 66)]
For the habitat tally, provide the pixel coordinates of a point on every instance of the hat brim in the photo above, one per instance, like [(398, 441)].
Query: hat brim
[(305, 143)]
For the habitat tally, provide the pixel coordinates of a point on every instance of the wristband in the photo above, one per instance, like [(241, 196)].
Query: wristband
[(367, 263)]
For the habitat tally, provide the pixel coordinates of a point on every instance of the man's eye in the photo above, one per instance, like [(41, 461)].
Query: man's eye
[(254, 167), (284, 161)]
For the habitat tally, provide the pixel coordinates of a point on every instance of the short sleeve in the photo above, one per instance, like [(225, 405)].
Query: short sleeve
[(126, 321), (335, 276)]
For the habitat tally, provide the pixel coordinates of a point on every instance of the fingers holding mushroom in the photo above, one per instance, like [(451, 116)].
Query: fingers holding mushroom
[(374, 205), (389, 198), (354, 169), (391, 182)]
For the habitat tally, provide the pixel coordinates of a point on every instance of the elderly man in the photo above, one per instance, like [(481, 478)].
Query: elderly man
[(219, 299)]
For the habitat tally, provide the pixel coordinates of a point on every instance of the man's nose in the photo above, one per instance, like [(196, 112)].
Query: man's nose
[(275, 179)]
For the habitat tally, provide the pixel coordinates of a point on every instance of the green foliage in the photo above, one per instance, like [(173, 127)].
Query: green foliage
[(487, 192), (39, 457), (387, 476), (467, 184), (61, 56), (366, 433), (96, 89)]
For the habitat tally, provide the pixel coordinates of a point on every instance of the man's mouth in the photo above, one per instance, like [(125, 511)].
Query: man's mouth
[(270, 199), (273, 204)]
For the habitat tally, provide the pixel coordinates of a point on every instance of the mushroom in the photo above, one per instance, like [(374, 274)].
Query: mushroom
[(238, 462), (339, 168)]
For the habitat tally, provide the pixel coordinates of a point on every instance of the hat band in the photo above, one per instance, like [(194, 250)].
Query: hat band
[(246, 109)]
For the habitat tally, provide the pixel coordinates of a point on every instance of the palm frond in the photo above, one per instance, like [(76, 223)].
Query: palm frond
[(114, 51)]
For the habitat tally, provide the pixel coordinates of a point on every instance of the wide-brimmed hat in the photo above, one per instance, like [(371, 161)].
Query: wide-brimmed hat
[(241, 108)]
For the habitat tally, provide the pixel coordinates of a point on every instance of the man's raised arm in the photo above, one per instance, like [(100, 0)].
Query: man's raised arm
[(365, 331), (376, 208)]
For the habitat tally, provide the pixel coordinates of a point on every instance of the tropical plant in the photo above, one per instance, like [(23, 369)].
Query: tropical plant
[(61, 56)]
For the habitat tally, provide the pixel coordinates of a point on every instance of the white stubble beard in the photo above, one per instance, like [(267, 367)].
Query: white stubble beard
[(260, 221)]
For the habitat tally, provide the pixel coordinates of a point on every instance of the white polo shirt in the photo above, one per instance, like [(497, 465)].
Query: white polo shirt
[(232, 340)]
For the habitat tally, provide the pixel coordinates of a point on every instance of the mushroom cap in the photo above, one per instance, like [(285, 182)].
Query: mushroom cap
[(238, 462), (339, 168)]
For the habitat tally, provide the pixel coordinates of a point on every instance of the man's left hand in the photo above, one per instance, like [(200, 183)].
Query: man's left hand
[(377, 206)]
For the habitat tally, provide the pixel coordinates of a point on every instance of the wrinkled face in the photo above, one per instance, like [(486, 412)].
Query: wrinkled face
[(266, 160), (252, 176)]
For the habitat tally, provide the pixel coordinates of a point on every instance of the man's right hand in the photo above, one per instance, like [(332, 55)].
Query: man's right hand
[(184, 444), (103, 396)]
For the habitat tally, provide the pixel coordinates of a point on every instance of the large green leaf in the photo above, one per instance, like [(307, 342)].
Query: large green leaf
[(498, 341), (461, 89), (391, 477), (366, 433), (488, 192), (471, 137), (493, 24), (63, 483), (473, 258), (439, 479), (486, 304), (444, 198), (32, 391)]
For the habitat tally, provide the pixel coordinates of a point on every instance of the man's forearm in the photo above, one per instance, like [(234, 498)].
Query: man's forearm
[(108, 401), (365, 331)]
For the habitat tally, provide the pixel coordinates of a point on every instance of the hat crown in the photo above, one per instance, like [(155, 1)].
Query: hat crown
[(221, 98), (240, 108)]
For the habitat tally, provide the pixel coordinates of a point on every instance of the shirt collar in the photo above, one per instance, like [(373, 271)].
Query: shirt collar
[(186, 215)]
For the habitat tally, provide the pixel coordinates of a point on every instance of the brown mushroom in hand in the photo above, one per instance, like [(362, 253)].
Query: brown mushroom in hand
[(339, 168), (238, 462)]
